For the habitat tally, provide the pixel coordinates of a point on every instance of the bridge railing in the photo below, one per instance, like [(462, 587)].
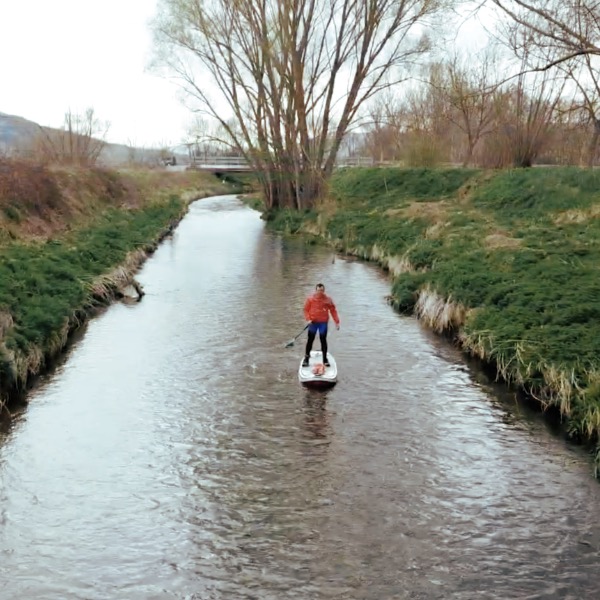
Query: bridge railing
[(355, 161), (240, 163), (209, 162)]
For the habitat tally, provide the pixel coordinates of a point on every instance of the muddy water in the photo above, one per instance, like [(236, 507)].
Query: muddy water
[(173, 454)]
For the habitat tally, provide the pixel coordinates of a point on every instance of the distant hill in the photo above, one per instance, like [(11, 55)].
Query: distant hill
[(17, 132), (14, 130)]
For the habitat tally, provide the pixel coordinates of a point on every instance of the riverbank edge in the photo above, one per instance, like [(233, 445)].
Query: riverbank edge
[(104, 290), (446, 317)]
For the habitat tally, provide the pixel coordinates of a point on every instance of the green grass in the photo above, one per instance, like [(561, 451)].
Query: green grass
[(533, 194), (44, 285), (519, 249), (381, 188)]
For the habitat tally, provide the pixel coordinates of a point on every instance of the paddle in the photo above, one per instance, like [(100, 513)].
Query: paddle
[(291, 342)]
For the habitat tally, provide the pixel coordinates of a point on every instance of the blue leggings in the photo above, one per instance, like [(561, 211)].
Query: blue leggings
[(313, 328)]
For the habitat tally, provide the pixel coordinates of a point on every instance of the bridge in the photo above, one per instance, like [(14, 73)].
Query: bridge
[(220, 164), (238, 164)]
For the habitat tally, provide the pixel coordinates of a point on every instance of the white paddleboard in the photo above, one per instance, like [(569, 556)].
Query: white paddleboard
[(312, 375)]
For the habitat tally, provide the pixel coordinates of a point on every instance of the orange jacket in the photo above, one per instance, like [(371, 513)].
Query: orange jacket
[(317, 309)]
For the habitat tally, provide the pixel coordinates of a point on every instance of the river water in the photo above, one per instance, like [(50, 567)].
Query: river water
[(173, 453)]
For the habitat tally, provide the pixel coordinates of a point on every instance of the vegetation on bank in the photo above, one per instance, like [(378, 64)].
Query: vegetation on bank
[(70, 241), (504, 261)]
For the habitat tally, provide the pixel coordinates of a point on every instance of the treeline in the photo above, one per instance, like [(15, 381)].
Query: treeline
[(531, 96), (461, 114)]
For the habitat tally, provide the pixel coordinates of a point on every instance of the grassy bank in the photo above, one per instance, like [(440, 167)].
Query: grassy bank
[(70, 241), (506, 262)]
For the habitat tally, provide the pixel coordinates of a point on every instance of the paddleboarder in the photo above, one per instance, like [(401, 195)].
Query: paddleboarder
[(317, 309)]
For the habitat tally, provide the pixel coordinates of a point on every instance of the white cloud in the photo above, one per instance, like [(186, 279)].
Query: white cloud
[(61, 54)]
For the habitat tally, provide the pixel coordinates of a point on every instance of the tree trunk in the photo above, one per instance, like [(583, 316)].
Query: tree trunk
[(284, 189), (593, 146)]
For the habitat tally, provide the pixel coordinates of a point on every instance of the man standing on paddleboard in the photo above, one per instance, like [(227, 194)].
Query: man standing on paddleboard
[(317, 309)]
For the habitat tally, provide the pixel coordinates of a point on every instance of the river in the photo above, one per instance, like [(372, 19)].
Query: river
[(173, 454)]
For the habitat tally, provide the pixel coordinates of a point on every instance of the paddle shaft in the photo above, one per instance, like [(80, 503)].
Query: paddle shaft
[(291, 342)]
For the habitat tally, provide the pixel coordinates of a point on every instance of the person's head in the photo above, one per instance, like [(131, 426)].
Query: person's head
[(320, 288)]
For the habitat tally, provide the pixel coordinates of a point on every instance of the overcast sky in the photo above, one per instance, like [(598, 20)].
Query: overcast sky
[(57, 55), (61, 54)]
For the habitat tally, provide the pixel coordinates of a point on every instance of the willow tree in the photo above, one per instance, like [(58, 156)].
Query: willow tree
[(286, 78)]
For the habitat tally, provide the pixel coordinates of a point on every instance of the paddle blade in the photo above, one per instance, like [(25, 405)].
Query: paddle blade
[(292, 341)]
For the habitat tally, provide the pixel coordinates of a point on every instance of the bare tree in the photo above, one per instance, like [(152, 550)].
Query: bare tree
[(205, 138), (426, 127), (558, 30), (525, 114), (80, 141), (384, 128), (570, 141), (583, 72), (566, 36), (412, 127), (285, 78), (469, 91)]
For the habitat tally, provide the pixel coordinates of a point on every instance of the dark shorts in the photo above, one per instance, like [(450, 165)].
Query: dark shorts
[(318, 327)]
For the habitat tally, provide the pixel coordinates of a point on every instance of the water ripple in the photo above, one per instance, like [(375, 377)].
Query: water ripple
[(175, 455)]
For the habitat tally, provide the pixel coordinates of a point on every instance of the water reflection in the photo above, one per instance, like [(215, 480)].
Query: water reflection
[(316, 415), (175, 455)]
